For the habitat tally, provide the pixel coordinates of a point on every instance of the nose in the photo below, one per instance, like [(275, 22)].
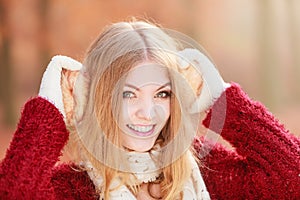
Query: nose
[(146, 109)]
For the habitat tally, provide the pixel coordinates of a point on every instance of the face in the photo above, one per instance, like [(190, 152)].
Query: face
[(145, 106)]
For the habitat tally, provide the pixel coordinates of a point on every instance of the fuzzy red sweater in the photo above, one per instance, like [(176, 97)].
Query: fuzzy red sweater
[(265, 163)]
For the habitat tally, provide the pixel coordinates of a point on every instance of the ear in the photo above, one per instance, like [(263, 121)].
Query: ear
[(68, 79)]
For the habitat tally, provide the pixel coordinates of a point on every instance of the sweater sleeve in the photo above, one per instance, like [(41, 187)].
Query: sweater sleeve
[(265, 162), (26, 170), (72, 182)]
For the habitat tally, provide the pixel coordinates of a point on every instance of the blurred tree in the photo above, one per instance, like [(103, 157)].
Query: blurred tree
[(5, 69), (294, 32), (23, 50), (269, 80)]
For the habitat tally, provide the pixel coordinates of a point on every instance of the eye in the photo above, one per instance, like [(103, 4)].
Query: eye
[(163, 94), (128, 95)]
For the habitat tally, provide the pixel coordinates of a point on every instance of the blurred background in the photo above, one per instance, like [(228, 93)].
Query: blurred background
[(253, 42)]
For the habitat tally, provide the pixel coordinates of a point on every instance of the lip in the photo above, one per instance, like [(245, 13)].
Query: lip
[(141, 134)]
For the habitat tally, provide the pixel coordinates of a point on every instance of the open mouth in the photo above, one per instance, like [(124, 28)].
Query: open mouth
[(141, 130)]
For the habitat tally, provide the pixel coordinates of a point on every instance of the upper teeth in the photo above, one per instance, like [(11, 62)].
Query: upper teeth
[(141, 128)]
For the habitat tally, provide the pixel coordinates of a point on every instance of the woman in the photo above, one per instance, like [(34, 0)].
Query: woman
[(132, 126)]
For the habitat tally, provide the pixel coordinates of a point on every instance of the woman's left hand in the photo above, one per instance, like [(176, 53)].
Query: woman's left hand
[(212, 83)]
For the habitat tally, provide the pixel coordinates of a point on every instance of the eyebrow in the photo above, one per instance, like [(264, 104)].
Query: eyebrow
[(136, 88)]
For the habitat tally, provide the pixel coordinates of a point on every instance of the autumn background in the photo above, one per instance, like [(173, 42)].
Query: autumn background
[(253, 42)]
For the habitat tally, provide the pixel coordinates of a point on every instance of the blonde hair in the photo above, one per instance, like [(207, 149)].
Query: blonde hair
[(94, 134)]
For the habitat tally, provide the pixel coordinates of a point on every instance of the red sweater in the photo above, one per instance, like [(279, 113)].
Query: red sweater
[(264, 165)]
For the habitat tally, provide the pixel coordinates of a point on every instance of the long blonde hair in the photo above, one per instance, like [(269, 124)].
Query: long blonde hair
[(94, 134)]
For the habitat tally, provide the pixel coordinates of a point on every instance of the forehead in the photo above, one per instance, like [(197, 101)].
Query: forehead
[(147, 73)]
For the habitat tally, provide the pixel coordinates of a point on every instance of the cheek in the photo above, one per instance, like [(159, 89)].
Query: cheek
[(168, 110), (124, 111), (164, 110), (128, 110)]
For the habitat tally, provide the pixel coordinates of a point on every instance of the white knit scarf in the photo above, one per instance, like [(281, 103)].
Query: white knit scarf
[(194, 188)]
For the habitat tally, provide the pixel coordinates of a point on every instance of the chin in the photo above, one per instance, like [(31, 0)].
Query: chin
[(138, 144), (141, 147)]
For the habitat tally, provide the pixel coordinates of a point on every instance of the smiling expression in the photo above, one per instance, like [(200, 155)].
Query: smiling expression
[(145, 106)]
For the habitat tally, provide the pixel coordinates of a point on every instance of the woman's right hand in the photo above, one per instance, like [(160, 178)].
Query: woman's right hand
[(50, 88)]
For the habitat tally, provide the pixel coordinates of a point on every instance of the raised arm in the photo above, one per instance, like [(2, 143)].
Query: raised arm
[(268, 155), (36, 146), (34, 149), (265, 162)]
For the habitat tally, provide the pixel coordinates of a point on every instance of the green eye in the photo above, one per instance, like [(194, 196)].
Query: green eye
[(163, 94), (128, 94)]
